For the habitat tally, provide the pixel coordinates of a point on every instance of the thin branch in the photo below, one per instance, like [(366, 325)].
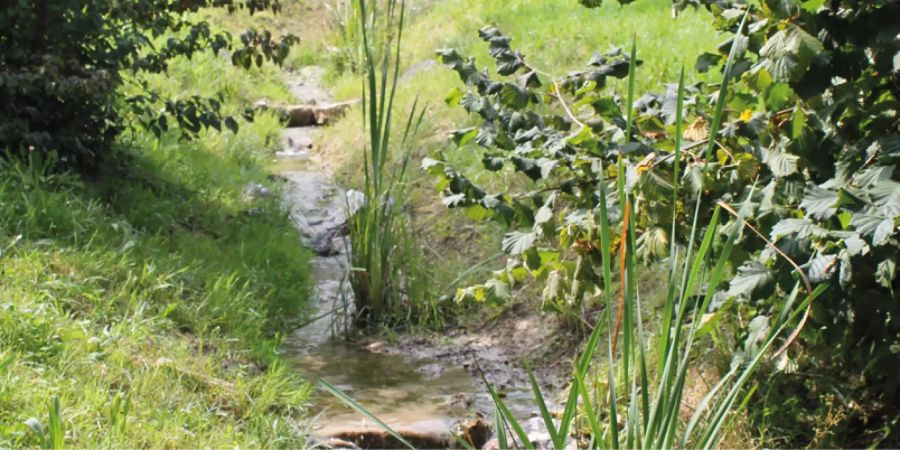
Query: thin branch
[(558, 94), (790, 261)]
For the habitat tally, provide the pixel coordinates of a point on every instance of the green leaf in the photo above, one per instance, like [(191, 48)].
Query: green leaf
[(856, 246), (778, 96), (706, 61), (887, 197), (547, 165), (509, 62), (231, 124), (845, 273), (781, 163), (819, 203), (752, 276), (798, 122), (544, 214), (453, 200), (464, 135), (880, 228), (797, 228), (498, 291), (553, 287), (518, 242), (492, 163), (453, 97), (822, 268), (789, 53), (886, 272), (529, 166), (513, 96)]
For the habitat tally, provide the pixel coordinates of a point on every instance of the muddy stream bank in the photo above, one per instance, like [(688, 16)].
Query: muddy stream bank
[(425, 387)]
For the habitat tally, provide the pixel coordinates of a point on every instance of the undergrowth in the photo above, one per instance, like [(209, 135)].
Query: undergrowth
[(142, 307), (461, 252)]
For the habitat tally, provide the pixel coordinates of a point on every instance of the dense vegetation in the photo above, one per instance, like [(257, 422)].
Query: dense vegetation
[(801, 151), (756, 180), (64, 61), (807, 148), (117, 327)]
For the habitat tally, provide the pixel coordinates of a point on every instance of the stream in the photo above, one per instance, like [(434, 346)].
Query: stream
[(411, 393)]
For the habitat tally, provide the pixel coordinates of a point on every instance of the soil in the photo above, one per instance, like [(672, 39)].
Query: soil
[(497, 348)]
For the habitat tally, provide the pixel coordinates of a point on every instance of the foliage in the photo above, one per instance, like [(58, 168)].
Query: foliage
[(809, 132), (63, 62), (825, 78), (640, 403), (345, 17)]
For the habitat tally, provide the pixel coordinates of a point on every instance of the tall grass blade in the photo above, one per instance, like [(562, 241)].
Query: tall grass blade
[(508, 418), (558, 442), (55, 431), (593, 421), (500, 427), (345, 399)]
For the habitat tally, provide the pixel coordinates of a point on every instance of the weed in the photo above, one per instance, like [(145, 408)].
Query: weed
[(384, 275)]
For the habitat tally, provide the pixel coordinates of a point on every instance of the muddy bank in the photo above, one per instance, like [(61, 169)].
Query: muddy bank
[(498, 348)]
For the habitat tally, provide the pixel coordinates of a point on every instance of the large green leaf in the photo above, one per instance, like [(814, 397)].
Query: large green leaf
[(797, 228), (781, 163), (518, 242), (514, 96), (880, 228), (886, 194), (819, 203), (752, 276), (856, 246), (789, 53)]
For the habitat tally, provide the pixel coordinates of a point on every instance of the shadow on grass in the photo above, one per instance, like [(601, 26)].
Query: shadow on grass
[(172, 227)]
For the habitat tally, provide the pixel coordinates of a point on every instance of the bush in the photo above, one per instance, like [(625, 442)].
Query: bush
[(809, 133), (61, 63)]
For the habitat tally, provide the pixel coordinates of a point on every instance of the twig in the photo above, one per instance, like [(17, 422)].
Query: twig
[(558, 94), (622, 249), (719, 144), (790, 261)]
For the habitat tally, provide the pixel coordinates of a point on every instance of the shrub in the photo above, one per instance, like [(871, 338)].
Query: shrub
[(61, 63), (809, 133)]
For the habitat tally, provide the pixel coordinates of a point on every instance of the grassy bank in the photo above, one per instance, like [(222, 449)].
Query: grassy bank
[(558, 37), (149, 300)]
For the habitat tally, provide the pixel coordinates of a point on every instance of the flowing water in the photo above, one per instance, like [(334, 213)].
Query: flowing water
[(424, 395), (391, 386)]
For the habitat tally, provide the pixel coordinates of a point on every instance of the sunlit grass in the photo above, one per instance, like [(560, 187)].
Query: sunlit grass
[(148, 300)]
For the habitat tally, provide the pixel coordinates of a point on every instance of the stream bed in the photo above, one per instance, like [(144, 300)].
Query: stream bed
[(422, 395)]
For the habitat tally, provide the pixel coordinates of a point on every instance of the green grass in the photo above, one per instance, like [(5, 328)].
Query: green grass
[(148, 301)]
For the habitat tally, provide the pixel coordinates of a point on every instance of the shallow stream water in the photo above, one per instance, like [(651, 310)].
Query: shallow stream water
[(393, 387)]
